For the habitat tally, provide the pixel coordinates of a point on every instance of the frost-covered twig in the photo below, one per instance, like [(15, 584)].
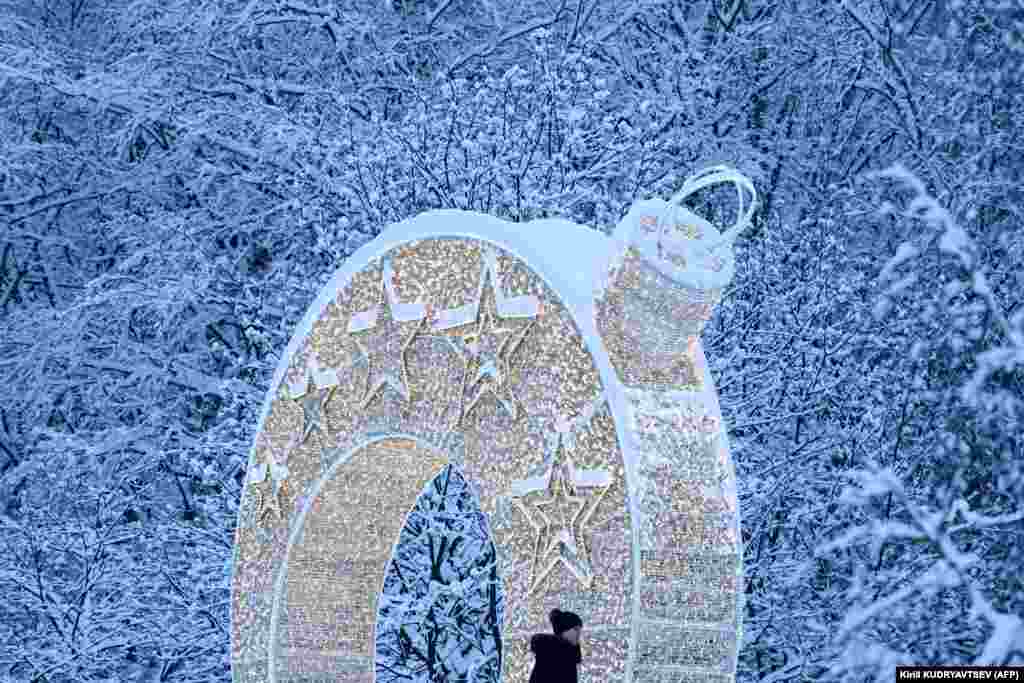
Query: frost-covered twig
[(950, 571), (954, 241), (905, 518)]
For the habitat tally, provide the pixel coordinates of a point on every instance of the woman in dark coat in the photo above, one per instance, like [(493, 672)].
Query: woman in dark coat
[(557, 655)]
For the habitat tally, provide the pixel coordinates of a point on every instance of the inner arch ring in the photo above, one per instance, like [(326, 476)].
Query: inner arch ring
[(296, 529)]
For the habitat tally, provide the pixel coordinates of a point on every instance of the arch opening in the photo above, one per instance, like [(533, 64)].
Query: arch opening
[(442, 601)]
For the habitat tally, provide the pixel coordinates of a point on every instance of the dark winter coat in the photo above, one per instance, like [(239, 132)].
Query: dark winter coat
[(557, 659)]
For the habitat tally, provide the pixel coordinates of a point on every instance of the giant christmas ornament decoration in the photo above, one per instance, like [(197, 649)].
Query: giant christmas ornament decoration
[(561, 375)]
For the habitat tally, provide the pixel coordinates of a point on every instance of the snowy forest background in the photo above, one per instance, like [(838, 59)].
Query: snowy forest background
[(179, 177)]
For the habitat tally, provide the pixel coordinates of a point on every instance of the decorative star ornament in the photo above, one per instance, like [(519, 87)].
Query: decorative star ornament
[(488, 347), (561, 518), (385, 347), (314, 391), (269, 482), (558, 542)]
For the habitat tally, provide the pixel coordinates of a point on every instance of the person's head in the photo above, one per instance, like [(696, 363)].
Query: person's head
[(566, 625)]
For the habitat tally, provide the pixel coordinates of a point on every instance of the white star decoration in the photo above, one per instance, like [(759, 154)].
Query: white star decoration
[(269, 481), (384, 349), (314, 390), (488, 348), (561, 517), (557, 541)]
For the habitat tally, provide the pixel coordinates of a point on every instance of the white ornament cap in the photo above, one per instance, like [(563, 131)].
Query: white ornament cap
[(700, 257)]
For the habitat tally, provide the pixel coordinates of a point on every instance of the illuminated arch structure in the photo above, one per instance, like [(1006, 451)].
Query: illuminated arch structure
[(560, 371)]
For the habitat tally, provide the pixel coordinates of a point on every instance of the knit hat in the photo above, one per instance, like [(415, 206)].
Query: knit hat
[(563, 621)]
